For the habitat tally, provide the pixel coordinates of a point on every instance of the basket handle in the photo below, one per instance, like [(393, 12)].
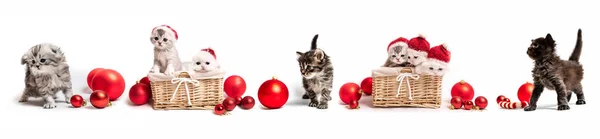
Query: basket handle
[(406, 70)]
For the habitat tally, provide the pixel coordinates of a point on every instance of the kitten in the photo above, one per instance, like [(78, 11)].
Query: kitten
[(46, 73), (204, 61), (317, 75), (437, 62), (166, 57), (552, 73), (417, 50), (397, 53)]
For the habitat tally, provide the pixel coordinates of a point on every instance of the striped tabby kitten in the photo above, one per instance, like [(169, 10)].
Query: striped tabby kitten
[(317, 75)]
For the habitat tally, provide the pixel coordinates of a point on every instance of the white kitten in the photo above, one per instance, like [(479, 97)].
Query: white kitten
[(437, 62), (417, 50), (204, 61), (166, 57)]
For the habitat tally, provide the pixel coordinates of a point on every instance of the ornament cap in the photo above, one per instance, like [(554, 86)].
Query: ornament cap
[(462, 81), (137, 82), (274, 77)]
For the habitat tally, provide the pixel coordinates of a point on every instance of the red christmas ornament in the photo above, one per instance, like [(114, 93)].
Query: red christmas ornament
[(99, 99), (238, 100), (481, 103), (367, 85), (229, 103), (463, 89), (139, 94), (273, 94), (456, 102), (77, 101), (350, 91), (219, 109), (247, 102), (234, 86), (91, 75), (525, 91), (506, 100), (468, 105), (500, 98), (145, 80), (353, 104), (109, 81)]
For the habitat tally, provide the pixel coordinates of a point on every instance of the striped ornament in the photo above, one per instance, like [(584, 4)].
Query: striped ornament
[(513, 105)]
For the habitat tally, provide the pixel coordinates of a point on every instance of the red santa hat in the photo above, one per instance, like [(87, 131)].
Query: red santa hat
[(440, 53), (211, 51), (169, 27), (419, 43), (401, 41)]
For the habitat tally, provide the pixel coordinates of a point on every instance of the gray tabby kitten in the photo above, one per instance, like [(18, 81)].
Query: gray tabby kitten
[(46, 73), (317, 75), (166, 56)]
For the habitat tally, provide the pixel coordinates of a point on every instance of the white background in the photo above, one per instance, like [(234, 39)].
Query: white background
[(258, 39)]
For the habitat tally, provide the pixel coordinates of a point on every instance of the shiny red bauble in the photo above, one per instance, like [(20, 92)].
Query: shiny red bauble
[(481, 102), (99, 99), (525, 91), (234, 86), (145, 80), (219, 109), (238, 100), (77, 101), (247, 102), (506, 99), (500, 98), (229, 103), (350, 91), (468, 105), (109, 81), (353, 104), (464, 90), (367, 85), (139, 94), (273, 93), (456, 102), (91, 75)]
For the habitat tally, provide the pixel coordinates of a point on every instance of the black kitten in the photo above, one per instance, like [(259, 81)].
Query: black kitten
[(563, 76), (317, 75)]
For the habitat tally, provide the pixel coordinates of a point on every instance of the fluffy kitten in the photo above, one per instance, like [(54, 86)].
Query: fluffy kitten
[(166, 57), (204, 61), (552, 73), (437, 62), (46, 73), (417, 50), (317, 75), (397, 53)]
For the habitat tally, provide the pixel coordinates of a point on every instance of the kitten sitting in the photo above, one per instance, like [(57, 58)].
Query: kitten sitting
[(317, 75), (397, 53), (46, 73), (552, 73), (203, 62), (166, 57), (438, 58), (417, 50)]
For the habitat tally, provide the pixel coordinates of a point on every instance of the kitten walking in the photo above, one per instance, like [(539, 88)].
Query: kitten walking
[(563, 76), (166, 57), (317, 75)]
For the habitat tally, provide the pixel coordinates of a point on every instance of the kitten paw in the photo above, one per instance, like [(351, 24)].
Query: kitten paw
[(563, 107), (68, 100), (49, 106), (322, 106), (530, 108), (23, 99), (305, 96), (313, 104), (55, 97), (580, 102)]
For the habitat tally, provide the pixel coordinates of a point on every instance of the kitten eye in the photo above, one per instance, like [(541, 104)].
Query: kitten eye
[(393, 55), (42, 60), (33, 61), (165, 39), (415, 57), (198, 63), (401, 55), (430, 68), (156, 38), (207, 63), (440, 69)]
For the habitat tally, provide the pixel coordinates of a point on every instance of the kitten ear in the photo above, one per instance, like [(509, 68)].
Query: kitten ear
[(58, 53), (319, 54), (24, 59), (549, 38), (299, 54)]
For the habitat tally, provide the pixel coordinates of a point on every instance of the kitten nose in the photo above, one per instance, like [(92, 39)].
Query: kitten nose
[(37, 66)]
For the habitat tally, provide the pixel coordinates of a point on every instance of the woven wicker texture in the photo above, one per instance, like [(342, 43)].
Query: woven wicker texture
[(426, 91), (203, 96)]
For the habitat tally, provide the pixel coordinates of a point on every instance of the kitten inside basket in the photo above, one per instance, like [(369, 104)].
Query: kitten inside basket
[(436, 63), (203, 62)]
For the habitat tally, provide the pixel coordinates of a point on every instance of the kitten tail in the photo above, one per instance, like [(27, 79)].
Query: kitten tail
[(577, 51), (313, 45)]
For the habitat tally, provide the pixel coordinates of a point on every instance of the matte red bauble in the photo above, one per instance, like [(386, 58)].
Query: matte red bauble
[(353, 104), (139, 94), (350, 91), (219, 109), (367, 85), (500, 98), (273, 94), (468, 105), (109, 81), (247, 102), (481, 102), (234, 86), (99, 99), (456, 102), (77, 101), (229, 103), (464, 90), (91, 75), (525, 91)]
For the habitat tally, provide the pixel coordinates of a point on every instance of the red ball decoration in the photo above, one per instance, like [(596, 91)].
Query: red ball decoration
[(353, 104), (77, 101), (219, 109), (109, 81), (99, 99), (139, 94), (234, 86), (273, 94), (367, 85), (468, 105), (145, 80), (456, 102), (500, 98), (463, 89), (350, 91), (238, 100), (481, 102), (91, 75), (525, 91), (247, 102), (229, 103), (506, 99)]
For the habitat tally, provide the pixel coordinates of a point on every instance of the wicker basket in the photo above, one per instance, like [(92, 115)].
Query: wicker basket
[(401, 87), (203, 93)]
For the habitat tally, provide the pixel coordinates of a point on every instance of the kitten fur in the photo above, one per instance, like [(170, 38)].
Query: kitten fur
[(396, 57), (317, 75), (415, 58), (432, 67), (550, 72), (166, 56), (46, 73), (202, 62)]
